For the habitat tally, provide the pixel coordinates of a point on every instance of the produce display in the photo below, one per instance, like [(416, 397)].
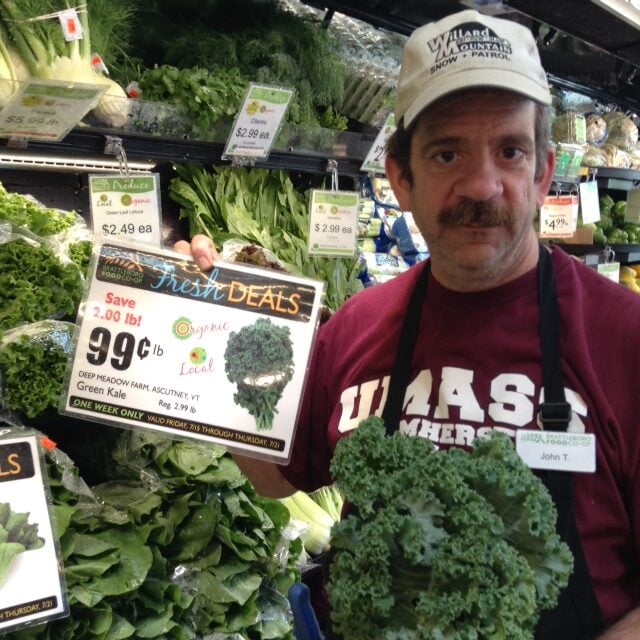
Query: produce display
[(315, 513), (441, 544), (263, 207), (36, 48), (612, 228), (33, 358), (35, 283), (177, 545)]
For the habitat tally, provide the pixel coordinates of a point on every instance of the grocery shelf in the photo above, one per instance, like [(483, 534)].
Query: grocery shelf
[(86, 145)]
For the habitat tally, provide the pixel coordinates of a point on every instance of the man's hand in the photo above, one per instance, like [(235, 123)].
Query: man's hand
[(201, 248)]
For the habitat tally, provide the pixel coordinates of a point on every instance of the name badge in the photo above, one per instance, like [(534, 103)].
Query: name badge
[(557, 450)]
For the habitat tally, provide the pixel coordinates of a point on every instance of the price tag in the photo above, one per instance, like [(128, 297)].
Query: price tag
[(258, 122), (70, 24), (558, 216), (374, 160), (162, 346), (47, 110), (632, 212), (610, 270), (333, 218), (127, 207), (589, 202), (24, 501)]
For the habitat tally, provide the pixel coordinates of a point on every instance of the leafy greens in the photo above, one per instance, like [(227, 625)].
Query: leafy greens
[(441, 545)]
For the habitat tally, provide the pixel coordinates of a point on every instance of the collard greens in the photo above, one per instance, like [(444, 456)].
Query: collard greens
[(177, 546)]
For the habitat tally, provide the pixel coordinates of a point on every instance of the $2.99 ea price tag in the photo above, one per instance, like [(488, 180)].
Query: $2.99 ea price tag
[(257, 122)]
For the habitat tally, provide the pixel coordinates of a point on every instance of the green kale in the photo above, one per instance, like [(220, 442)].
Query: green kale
[(35, 284), (33, 360), (259, 359), (441, 545)]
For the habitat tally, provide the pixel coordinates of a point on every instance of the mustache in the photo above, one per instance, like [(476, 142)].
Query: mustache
[(481, 214)]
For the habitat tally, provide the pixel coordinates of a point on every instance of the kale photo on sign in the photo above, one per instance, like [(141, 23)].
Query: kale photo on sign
[(259, 360)]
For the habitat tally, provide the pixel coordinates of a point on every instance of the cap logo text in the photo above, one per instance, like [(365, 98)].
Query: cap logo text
[(471, 39)]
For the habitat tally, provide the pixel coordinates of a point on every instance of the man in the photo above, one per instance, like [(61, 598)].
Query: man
[(470, 159)]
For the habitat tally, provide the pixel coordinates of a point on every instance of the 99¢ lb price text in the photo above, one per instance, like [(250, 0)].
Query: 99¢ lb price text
[(118, 350)]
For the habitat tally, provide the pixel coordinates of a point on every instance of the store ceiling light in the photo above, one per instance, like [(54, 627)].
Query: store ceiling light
[(16, 159), (627, 10)]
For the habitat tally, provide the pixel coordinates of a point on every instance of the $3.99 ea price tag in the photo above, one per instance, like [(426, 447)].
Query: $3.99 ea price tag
[(558, 216)]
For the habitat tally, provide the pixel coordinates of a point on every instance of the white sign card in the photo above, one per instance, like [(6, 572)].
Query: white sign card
[(374, 160), (610, 270), (632, 212), (333, 223), (559, 216), (126, 207), (589, 202), (32, 588), (219, 356), (47, 110), (258, 122)]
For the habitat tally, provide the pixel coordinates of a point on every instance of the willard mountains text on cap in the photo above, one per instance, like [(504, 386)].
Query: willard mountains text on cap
[(469, 39)]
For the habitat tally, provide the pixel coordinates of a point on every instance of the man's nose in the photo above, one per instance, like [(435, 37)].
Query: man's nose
[(481, 180)]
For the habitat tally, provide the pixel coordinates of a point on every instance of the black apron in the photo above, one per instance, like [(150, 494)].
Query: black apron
[(577, 615)]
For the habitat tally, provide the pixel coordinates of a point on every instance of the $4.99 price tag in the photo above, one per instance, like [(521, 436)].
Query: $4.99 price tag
[(333, 220), (156, 338), (559, 216), (258, 122)]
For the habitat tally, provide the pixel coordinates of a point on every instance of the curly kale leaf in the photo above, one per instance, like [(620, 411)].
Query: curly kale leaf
[(35, 284), (259, 360), (439, 545)]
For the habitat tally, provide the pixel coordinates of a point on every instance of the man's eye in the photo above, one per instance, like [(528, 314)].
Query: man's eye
[(511, 153), (446, 156)]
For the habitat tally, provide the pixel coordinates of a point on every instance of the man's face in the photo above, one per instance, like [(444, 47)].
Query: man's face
[(474, 193)]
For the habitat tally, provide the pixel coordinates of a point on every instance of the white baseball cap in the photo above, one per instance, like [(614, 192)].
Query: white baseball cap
[(465, 50)]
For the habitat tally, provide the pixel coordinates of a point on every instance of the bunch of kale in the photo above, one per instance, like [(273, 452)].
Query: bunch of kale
[(259, 360), (441, 545)]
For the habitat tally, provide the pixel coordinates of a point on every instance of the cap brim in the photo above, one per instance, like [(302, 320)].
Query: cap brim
[(473, 79)]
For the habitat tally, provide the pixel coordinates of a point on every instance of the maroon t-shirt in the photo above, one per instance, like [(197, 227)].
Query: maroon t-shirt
[(477, 367)]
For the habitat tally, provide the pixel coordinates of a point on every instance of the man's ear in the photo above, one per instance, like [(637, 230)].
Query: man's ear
[(543, 183), (399, 183)]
